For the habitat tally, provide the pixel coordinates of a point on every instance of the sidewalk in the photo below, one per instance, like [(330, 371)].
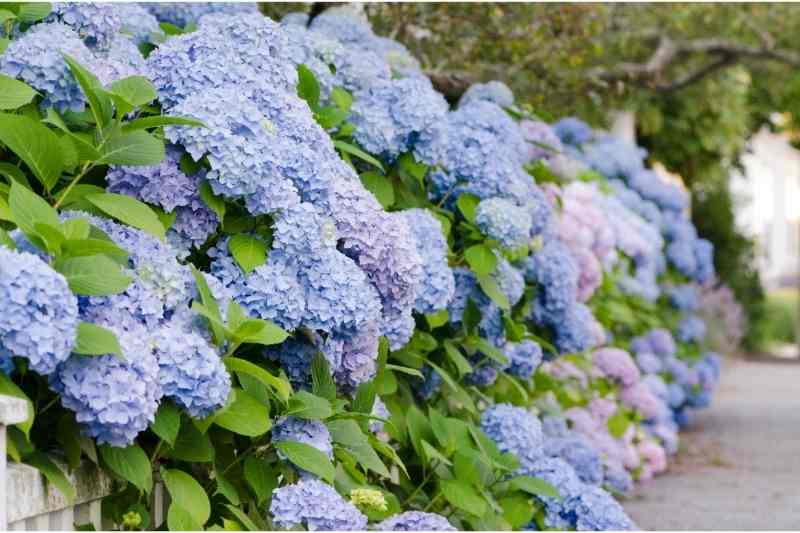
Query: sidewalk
[(739, 465)]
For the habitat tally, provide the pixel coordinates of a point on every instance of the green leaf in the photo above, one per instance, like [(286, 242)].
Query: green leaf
[(5, 15), (132, 148), (349, 434), (14, 93), (281, 386), (358, 152), (307, 86), (342, 98), (535, 486), (437, 319), (433, 454), (34, 144), (6, 240), (380, 186), (418, 429), (68, 437), (248, 251), (131, 464), (83, 247), (76, 228), (463, 497), (158, 121), (179, 519), (51, 235), (210, 303), (492, 289), (93, 275), (135, 90), (261, 478), (481, 259), (303, 404), (167, 422), (405, 370), (30, 12), (454, 354), (467, 203), (96, 340), (365, 398), (52, 473), (618, 424), (13, 173), (130, 211), (245, 520), (10, 388), (99, 104), (226, 488), (188, 494), (471, 467), (244, 415), (257, 331), (321, 378), (215, 203), (5, 211), (192, 446), (307, 458), (518, 510)]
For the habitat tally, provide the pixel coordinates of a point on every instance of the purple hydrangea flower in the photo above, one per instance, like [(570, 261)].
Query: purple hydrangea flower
[(514, 430), (183, 13), (138, 22), (523, 358), (495, 92), (616, 364), (504, 221), (572, 131), (578, 452), (415, 521), (691, 329), (95, 22), (315, 505), (543, 142), (311, 432)]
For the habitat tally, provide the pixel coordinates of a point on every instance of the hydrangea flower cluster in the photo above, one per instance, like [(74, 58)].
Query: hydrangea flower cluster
[(327, 511), (415, 521), (494, 91), (504, 221), (311, 432)]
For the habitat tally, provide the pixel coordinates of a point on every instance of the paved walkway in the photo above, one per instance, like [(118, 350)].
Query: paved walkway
[(739, 464)]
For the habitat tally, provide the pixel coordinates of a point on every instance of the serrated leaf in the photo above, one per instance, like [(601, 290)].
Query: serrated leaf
[(322, 378), (342, 98), (135, 90), (159, 121), (188, 494), (83, 247), (248, 251), (14, 93), (226, 488), (303, 404), (130, 211), (131, 464), (244, 415), (132, 148), (307, 86), (96, 340), (380, 186), (481, 259), (348, 434), (467, 204), (34, 144), (357, 152), (179, 519), (167, 423), (192, 445), (261, 478), (492, 289), (215, 203), (463, 497), (454, 354), (307, 458), (99, 104), (93, 275), (281, 387), (209, 303), (30, 12), (535, 486), (257, 331)]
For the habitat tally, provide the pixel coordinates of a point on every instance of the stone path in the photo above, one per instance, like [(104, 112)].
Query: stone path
[(739, 464)]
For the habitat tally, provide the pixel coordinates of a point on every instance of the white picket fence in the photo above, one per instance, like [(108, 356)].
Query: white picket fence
[(28, 503)]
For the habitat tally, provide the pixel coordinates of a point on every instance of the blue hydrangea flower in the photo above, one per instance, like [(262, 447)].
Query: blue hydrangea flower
[(677, 395), (555, 271), (514, 430), (120, 59), (618, 479), (496, 92), (649, 363), (510, 280), (415, 521), (431, 384), (94, 22), (573, 131), (438, 282), (138, 22), (691, 329), (35, 58), (555, 426), (182, 13), (661, 342), (502, 220), (575, 331), (311, 432), (704, 255), (40, 313), (596, 510), (523, 358), (579, 453), (683, 297), (191, 371), (651, 187), (562, 476), (295, 356), (378, 409), (113, 398), (359, 352), (348, 29), (315, 505), (390, 115), (295, 18), (484, 372), (542, 141), (614, 157)]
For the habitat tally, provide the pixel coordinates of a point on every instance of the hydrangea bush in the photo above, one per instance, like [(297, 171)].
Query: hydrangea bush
[(268, 265)]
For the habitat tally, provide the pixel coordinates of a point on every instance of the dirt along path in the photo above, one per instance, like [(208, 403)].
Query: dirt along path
[(739, 464)]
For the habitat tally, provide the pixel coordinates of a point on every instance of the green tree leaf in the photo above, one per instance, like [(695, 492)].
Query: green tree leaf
[(308, 458), (214, 202), (380, 186), (83, 247), (93, 275), (34, 144), (481, 259), (167, 422), (307, 86), (130, 211), (99, 104), (192, 446), (159, 121), (492, 289), (454, 354), (14, 93), (244, 415), (618, 424), (248, 251), (261, 477), (179, 519), (187, 494), (358, 152), (257, 331), (535, 486), (10, 388), (467, 203), (52, 473), (135, 90), (280, 386), (348, 434), (132, 148), (76, 228), (226, 488), (322, 378), (96, 340), (30, 12), (303, 404), (209, 303), (463, 497), (131, 464)]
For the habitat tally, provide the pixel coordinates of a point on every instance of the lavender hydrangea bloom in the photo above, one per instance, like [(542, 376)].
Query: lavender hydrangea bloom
[(483, 374), (113, 399), (579, 453), (378, 409), (35, 58), (496, 92), (191, 371), (691, 329), (514, 430), (574, 329), (543, 143), (40, 314), (415, 521), (390, 115), (554, 269), (572, 131), (137, 22), (597, 510), (661, 342), (683, 297), (523, 358), (639, 396), (350, 30), (94, 22), (239, 148), (295, 18), (316, 506), (504, 221), (120, 59), (618, 479), (359, 353), (616, 364), (651, 187), (311, 432), (294, 356), (562, 476), (554, 426), (438, 283), (649, 363), (614, 157), (182, 13), (677, 395)]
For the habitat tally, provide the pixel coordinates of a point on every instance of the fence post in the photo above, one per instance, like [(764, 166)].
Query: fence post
[(12, 411)]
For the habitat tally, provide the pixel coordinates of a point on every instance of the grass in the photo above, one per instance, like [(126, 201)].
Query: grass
[(782, 316)]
